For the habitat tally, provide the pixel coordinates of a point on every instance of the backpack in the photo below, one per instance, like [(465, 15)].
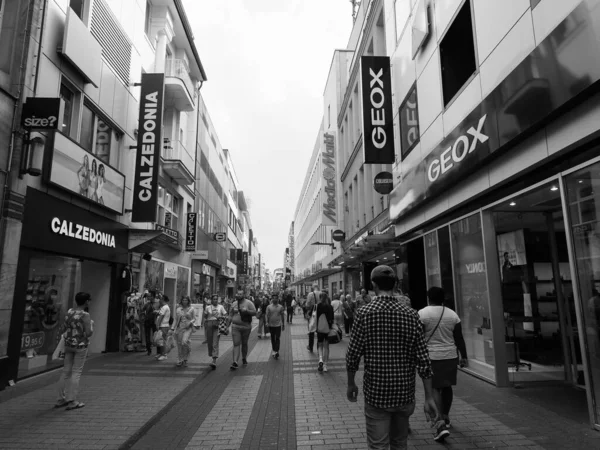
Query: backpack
[(322, 324)]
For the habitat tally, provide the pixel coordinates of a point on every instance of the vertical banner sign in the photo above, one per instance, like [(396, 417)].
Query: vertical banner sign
[(378, 117), (251, 240), (190, 232), (145, 189), (245, 263), (329, 181)]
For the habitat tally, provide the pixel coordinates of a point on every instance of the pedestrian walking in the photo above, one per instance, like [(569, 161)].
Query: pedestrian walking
[(443, 335), (261, 312), (149, 313), (324, 324), (363, 299), (77, 329), (275, 319), (389, 336), (213, 313), (348, 306), (183, 327), (241, 315), (163, 324), (338, 312), (311, 302), (288, 299)]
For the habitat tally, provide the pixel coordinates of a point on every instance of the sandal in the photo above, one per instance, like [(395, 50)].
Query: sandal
[(75, 405), (61, 404), (179, 364)]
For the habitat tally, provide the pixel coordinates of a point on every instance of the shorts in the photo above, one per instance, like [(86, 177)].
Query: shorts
[(444, 372), (321, 337)]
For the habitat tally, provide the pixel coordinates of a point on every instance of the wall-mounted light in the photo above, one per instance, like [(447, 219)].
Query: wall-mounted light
[(32, 159)]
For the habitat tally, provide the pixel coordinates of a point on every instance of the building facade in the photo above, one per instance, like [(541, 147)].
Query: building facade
[(495, 173)]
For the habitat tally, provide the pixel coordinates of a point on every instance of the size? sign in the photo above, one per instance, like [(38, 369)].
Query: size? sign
[(40, 113)]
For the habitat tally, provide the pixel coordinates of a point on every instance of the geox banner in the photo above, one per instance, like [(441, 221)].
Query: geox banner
[(145, 189), (329, 193), (378, 118)]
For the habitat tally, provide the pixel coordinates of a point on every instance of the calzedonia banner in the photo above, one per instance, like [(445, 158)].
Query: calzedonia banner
[(145, 189), (378, 117)]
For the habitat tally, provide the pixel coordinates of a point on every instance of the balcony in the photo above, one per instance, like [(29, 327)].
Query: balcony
[(179, 87), (177, 162)]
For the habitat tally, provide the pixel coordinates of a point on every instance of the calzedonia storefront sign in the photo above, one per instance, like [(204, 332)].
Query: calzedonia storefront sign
[(145, 189), (50, 224), (539, 88)]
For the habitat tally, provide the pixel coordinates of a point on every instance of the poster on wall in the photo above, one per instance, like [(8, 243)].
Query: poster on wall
[(183, 277), (511, 251), (80, 172), (155, 276)]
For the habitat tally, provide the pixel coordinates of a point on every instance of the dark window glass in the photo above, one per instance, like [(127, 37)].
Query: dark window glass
[(66, 99), (457, 54), (87, 129), (77, 7)]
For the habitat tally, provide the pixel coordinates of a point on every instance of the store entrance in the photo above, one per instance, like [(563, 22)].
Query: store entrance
[(537, 293)]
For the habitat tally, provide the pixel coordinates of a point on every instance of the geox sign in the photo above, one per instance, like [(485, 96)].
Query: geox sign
[(149, 143), (378, 117), (329, 182)]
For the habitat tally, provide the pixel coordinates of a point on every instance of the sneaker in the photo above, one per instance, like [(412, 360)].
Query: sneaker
[(320, 368), (276, 355), (447, 422), (185, 363), (309, 349), (157, 356), (441, 433), (162, 357), (213, 366), (325, 368), (233, 366), (259, 336), (244, 362)]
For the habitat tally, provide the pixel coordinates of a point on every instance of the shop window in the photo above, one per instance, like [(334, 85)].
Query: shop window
[(457, 54), (472, 293), (50, 292), (432, 260), (68, 107), (409, 123), (96, 135), (148, 19), (78, 7), (167, 209)]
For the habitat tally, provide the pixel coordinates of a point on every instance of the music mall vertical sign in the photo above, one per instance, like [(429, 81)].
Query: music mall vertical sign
[(190, 232), (378, 118), (145, 189), (329, 181)]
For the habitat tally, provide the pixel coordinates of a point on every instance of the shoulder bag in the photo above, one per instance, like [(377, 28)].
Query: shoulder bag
[(437, 326), (312, 322)]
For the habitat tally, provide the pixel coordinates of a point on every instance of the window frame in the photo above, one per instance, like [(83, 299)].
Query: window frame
[(96, 118), (162, 208), (148, 19), (403, 153)]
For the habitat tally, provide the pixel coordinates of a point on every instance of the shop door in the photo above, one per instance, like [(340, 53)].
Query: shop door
[(537, 289), (170, 291)]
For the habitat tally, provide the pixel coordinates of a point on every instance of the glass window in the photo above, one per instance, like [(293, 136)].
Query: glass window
[(67, 100), (148, 18), (432, 260), (472, 293), (87, 129), (51, 287), (402, 10), (583, 196), (96, 135), (77, 7)]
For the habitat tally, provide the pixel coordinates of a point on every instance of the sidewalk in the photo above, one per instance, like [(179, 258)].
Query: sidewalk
[(135, 402)]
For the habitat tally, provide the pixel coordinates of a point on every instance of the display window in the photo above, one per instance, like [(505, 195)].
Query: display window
[(51, 287), (583, 199), (472, 293), (432, 260)]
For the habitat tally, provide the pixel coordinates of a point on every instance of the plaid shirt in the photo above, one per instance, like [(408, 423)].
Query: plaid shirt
[(389, 336)]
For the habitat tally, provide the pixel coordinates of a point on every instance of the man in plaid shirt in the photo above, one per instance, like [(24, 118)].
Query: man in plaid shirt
[(389, 336)]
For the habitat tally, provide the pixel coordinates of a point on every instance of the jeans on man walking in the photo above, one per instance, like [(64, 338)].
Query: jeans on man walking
[(387, 428), (162, 349), (212, 330), (275, 338), (262, 325), (68, 386), (149, 330)]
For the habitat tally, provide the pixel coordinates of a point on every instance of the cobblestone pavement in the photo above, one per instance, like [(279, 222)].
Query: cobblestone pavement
[(135, 402)]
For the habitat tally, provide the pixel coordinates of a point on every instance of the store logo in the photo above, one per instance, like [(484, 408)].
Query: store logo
[(475, 267), (76, 231), (329, 207), (190, 241), (454, 154)]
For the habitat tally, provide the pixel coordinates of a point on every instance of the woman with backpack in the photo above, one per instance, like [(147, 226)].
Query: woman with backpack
[(324, 323)]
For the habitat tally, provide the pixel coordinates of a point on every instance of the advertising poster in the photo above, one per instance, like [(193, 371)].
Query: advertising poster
[(155, 275), (183, 278), (82, 173)]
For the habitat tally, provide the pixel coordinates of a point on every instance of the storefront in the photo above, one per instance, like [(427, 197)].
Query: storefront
[(172, 279), (503, 215), (64, 250)]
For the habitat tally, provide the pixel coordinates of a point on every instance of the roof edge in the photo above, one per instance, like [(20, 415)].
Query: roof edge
[(190, 35)]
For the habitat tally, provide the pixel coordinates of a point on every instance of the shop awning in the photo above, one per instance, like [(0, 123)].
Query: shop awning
[(147, 241), (366, 248), (316, 276)]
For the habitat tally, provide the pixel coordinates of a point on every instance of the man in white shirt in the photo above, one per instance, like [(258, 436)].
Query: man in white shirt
[(162, 324), (311, 302)]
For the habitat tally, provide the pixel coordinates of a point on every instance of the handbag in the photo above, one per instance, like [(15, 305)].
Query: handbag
[(323, 325), (335, 334), (223, 326), (59, 351), (312, 321), (170, 343), (436, 327), (158, 339)]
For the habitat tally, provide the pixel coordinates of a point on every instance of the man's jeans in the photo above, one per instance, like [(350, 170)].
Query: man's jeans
[(388, 428)]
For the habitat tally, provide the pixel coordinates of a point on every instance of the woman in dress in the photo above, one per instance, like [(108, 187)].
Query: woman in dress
[(183, 326), (93, 185), (213, 313), (83, 175), (324, 324), (101, 181)]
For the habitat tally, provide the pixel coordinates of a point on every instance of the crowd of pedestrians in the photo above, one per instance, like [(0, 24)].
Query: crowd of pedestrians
[(394, 341)]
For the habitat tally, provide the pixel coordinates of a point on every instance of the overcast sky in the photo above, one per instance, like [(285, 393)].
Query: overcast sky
[(267, 62)]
